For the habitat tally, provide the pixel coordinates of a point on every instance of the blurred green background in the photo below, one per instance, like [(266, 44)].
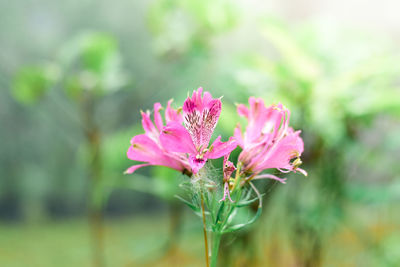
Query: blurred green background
[(75, 74)]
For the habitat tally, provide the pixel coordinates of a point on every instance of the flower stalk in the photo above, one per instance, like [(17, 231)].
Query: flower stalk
[(216, 240), (205, 231)]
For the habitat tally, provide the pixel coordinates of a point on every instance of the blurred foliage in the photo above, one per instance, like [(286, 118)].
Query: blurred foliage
[(185, 27), (32, 82), (92, 62)]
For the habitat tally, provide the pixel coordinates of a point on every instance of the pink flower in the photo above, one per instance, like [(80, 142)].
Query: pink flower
[(200, 116), (268, 141), (228, 169), (147, 147)]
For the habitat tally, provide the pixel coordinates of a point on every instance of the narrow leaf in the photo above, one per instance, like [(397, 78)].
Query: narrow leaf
[(193, 207), (247, 202), (242, 225), (221, 208)]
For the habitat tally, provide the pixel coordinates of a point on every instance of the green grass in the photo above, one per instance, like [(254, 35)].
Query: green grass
[(129, 242), (142, 241)]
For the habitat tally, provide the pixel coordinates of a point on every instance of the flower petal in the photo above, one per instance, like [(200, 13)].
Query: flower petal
[(157, 116), (201, 116), (175, 138), (148, 125), (210, 118), (242, 110), (207, 97), (270, 176), (143, 148), (219, 149), (289, 147), (238, 135), (133, 168), (196, 164), (172, 114)]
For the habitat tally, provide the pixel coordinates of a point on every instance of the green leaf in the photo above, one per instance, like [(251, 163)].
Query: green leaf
[(242, 225), (247, 202), (220, 210), (252, 220), (191, 205)]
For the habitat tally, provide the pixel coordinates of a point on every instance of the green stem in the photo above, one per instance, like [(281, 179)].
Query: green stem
[(237, 177), (204, 230), (215, 246)]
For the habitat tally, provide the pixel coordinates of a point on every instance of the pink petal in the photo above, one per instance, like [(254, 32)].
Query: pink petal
[(144, 149), (148, 125), (289, 147), (219, 149), (175, 138), (214, 107), (210, 116), (197, 97), (257, 118), (196, 164), (265, 123), (282, 127), (133, 168), (201, 116), (157, 116), (207, 98), (238, 136), (242, 110), (172, 114), (270, 176)]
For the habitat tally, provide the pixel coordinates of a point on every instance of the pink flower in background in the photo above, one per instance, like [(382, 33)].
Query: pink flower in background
[(147, 147), (268, 141), (200, 116)]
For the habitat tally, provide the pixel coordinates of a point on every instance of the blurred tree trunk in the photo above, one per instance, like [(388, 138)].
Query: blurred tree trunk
[(94, 174), (175, 225)]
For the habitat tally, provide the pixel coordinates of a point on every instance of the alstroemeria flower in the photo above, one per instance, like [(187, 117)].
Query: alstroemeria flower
[(200, 116), (268, 141), (228, 169), (147, 147)]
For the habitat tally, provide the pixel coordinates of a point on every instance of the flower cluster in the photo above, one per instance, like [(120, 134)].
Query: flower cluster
[(183, 142)]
